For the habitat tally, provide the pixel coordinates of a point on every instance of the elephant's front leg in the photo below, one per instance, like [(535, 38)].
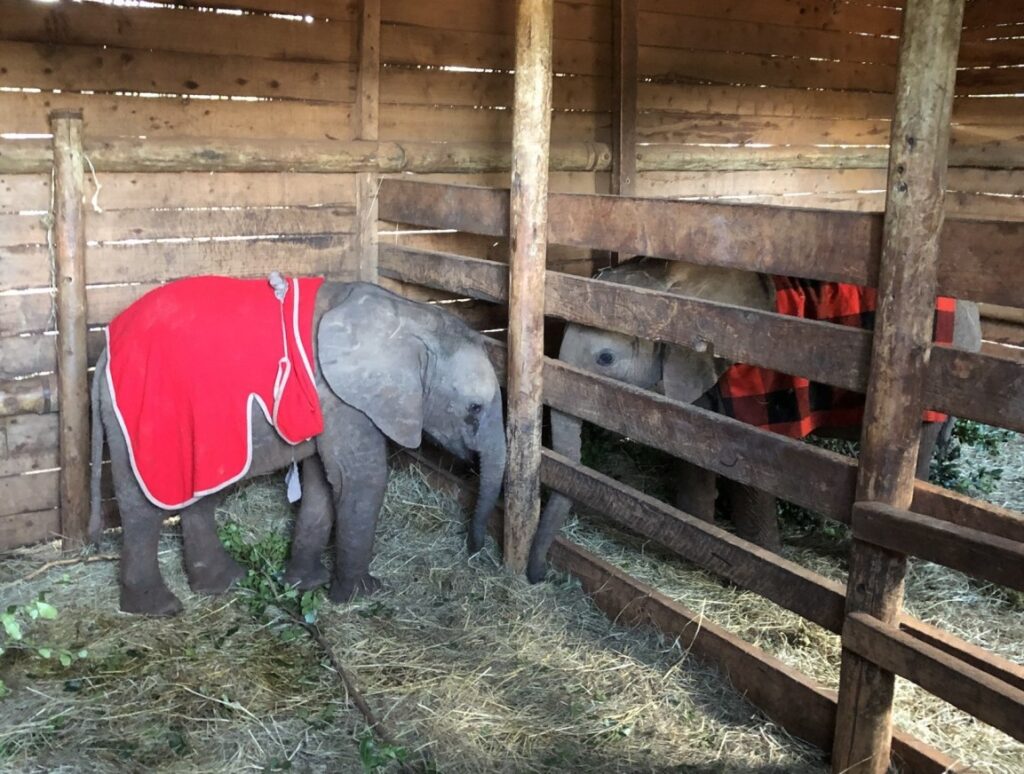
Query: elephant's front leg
[(312, 528), (210, 569), (354, 454), (754, 514)]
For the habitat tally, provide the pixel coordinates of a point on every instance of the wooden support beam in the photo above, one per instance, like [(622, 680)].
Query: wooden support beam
[(972, 551), (72, 356), (985, 697), (908, 281), (531, 137), (624, 96), (367, 107)]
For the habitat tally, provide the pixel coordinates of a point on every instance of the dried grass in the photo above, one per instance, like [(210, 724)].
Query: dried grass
[(479, 669)]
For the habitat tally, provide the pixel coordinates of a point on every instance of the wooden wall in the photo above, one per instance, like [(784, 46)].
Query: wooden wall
[(160, 73)]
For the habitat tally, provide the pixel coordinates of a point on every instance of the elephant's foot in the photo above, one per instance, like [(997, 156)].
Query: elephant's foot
[(536, 572), (347, 589), (215, 578), (767, 538), (155, 601), (306, 576)]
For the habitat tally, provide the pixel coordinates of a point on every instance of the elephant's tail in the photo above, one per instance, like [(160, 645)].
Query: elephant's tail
[(96, 455)]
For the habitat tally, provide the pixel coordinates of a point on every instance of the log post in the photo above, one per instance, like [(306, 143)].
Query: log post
[(531, 138), (72, 356), (918, 153), (367, 107)]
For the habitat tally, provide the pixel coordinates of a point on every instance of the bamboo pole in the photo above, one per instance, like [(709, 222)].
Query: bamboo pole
[(367, 101), (72, 355), (902, 347), (531, 137)]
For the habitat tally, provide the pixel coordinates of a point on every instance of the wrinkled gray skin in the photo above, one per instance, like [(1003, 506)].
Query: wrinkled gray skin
[(685, 375), (386, 367)]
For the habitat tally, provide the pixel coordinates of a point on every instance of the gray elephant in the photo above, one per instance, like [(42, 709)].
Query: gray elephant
[(385, 367), (686, 375)]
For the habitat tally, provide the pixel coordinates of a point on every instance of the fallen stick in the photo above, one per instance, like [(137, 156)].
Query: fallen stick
[(73, 560)]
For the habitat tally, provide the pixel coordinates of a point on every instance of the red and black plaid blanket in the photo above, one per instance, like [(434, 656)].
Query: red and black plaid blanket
[(792, 405)]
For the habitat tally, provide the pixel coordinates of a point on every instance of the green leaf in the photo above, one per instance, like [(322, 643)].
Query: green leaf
[(45, 652), (46, 610), (11, 626), (83, 653), (65, 659)]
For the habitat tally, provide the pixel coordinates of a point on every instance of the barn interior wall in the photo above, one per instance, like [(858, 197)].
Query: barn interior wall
[(757, 79)]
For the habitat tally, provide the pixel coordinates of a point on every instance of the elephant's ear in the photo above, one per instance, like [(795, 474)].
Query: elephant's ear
[(688, 374), (372, 361)]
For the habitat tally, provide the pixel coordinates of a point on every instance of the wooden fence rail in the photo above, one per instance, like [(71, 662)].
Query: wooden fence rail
[(978, 259)]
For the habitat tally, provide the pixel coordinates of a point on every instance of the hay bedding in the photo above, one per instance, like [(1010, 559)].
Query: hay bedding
[(471, 668), (474, 669)]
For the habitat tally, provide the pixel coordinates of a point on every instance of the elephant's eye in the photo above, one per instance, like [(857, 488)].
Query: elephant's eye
[(605, 358), (476, 408)]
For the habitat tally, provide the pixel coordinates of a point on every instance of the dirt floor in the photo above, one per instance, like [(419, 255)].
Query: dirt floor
[(474, 671)]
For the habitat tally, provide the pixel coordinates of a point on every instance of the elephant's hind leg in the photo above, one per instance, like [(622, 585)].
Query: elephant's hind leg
[(312, 529), (210, 569)]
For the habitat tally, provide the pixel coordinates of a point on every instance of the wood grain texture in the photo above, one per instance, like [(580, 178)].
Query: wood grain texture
[(72, 361), (368, 127), (528, 235), (962, 685), (908, 283), (625, 36), (981, 555)]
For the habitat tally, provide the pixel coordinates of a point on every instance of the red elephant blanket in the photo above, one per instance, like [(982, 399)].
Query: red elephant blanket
[(186, 362), (792, 405)]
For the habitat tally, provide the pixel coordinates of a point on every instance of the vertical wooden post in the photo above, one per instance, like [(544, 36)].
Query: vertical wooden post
[(367, 108), (531, 140), (624, 105), (72, 357), (902, 347)]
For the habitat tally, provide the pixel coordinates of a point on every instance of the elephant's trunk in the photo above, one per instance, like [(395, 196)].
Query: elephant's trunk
[(566, 435), (491, 448)]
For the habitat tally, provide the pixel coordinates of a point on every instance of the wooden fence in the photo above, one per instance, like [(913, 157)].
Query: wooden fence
[(969, 535)]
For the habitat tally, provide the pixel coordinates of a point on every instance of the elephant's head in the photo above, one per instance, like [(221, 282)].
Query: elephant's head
[(415, 369), (680, 373)]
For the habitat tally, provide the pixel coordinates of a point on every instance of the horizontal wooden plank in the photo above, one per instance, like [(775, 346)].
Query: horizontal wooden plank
[(1003, 332), (413, 45), (572, 20), (164, 190), (485, 89), (976, 386), (111, 116), (112, 69), (1003, 351), (161, 261), (186, 189), (989, 557), (748, 183), (787, 584), (972, 690), (988, 13), (439, 124), (22, 356), (830, 353), (37, 395), (757, 37), (876, 19), (23, 529), (184, 30), (27, 442), (331, 9), (30, 313), (34, 492), (113, 225), (116, 225), (787, 696), (724, 68), (753, 101)]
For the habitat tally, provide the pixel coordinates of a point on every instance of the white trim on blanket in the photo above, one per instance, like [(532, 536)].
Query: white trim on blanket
[(252, 398)]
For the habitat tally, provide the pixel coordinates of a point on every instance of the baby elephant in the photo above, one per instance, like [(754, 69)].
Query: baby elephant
[(384, 367)]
